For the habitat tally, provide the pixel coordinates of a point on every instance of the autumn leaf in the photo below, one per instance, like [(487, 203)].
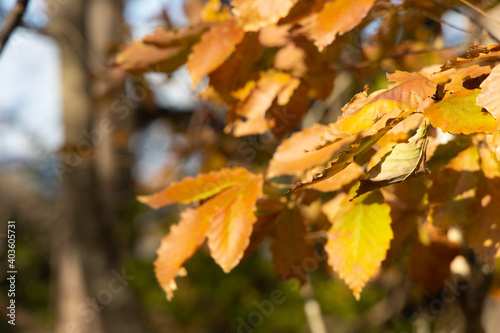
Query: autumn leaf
[(199, 188), (459, 113), (164, 51), (346, 157), (273, 86), (476, 52), (359, 239), (178, 246), (365, 110), (231, 220), (255, 14), (452, 196), (403, 161), (215, 46), (242, 61), (290, 247), (488, 97), (336, 18), (291, 157)]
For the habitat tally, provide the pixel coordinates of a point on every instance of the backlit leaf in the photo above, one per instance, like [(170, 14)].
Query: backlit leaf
[(231, 220), (336, 18), (488, 97), (215, 46), (289, 247), (363, 111), (255, 14), (164, 51), (359, 239), (178, 246), (459, 113), (346, 157), (404, 160), (476, 52), (291, 157), (199, 188)]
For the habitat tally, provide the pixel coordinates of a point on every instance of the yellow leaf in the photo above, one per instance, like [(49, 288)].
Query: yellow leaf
[(199, 188), (359, 239)]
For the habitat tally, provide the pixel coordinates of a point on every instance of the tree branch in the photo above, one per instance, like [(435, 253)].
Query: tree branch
[(12, 21)]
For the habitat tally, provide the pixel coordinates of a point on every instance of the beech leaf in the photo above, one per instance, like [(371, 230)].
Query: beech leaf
[(488, 97), (458, 113), (364, 111), (359, 239), (346, 157), (231, 220), (336, 18), (291, 157), (215, 46), (255, 14), (194, 189), (403, 161), (178, 246), (289, 247)]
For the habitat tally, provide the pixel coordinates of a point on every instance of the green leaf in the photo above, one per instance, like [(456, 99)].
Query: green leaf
[(404, 160), (459, 113)]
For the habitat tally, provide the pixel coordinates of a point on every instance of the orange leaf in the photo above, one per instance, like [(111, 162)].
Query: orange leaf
[(290, 248), (213, 49), (178, 246), (490, 88), (255, 14), (291, 157), (338, 17), (199, 188), (363, 111), (231, 221), (476, 52)]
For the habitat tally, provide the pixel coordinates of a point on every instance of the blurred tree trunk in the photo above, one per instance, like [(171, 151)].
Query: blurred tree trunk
[(92, 291)]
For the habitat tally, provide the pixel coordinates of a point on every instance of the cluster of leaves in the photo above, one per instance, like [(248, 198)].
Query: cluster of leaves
[(380, 173)]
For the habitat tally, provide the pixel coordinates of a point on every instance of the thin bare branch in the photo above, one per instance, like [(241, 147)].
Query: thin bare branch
[(12, 21), (480, 11)]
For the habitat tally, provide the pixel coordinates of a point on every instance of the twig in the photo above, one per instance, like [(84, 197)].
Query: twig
[(12, 21), (480, 11), (469, 17)]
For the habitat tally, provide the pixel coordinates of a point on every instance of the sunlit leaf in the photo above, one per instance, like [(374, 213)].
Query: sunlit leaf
[(365, 110), (215, 46), (488, 98), (291, 157), (403, 161), (359, 239), (231, 220), (178, 246), (164, 51), (338, 17), (459, 113), (348, 156), (255, 14), (199, 188), (476, 52)]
